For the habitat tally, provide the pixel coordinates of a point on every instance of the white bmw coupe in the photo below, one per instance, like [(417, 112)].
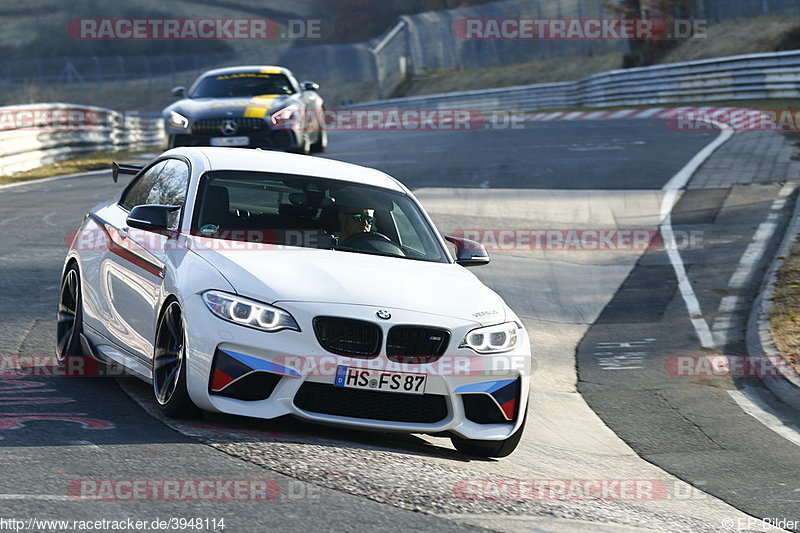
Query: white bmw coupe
[(264, 284)]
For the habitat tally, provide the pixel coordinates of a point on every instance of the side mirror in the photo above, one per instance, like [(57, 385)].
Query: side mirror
[(469, 253), (179, 91), (151, 217), (310, 86)]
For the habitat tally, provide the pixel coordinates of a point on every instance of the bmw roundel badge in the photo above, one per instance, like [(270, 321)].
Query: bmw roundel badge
[(384, 315)]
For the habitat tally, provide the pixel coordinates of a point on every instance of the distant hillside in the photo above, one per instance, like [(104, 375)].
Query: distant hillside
[(361, 20), (31, 29)]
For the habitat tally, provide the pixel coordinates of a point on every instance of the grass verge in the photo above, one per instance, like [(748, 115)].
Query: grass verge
[(82, 163), (785, 315)]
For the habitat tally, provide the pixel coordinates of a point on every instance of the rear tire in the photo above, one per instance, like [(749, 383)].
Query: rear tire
[(490, 448), (169, 366), (69, 321)]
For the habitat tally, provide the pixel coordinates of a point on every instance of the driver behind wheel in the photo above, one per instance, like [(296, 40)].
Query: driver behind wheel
[(353, 221)]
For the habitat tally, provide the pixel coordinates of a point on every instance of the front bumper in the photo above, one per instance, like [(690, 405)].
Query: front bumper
[(259, 132), (291, 374), (272, 140)]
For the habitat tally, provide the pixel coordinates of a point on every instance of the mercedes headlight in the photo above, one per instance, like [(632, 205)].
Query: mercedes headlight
[(176, 120), (287, 117), (249, 313), (492, 339)]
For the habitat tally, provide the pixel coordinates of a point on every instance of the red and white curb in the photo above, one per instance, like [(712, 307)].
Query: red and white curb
[(599, 115), (687, 117)]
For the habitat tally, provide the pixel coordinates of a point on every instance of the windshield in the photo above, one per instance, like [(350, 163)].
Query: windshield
[(242, 84), (313, 213)]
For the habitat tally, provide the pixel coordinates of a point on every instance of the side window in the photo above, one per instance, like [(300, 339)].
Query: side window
[(164, 184), (138, 192), (293, 84), (170, 188), (408, 235)]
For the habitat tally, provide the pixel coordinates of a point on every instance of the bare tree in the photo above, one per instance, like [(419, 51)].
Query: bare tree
[(646, 52)]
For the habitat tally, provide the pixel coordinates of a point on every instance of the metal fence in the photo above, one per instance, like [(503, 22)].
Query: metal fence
[(35, 135), (83, 70), (392, 58), (752, 76)]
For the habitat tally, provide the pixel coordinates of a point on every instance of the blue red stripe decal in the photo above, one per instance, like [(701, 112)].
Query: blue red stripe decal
[(505, 392), (230, 366), (487, 386)]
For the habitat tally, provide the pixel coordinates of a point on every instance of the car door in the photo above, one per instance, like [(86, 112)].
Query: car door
[(133, 268)]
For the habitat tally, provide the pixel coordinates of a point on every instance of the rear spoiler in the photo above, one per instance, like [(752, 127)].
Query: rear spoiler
[(117, 169)]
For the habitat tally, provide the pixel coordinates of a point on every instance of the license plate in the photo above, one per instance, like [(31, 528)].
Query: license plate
[(230, 141), (365, 379)]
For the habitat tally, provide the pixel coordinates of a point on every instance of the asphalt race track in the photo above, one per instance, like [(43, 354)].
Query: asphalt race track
[(587, 311)]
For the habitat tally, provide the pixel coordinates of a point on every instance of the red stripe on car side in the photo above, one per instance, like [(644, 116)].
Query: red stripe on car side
[(127, 255)]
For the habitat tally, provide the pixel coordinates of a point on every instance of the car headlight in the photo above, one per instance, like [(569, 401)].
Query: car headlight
[(492, 339), (287, 116), (249, 313), (177, 120)]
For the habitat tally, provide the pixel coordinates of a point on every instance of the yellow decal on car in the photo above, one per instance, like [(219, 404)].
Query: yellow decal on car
[(259, 105), (265, 75), (255, 112)]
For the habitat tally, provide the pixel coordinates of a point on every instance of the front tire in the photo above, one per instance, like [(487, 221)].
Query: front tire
[(169, 365), (490, 448), (304, 147), (69, 321), (321, 144)]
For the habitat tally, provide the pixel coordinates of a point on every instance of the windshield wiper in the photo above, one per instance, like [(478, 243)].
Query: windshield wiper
[(360, 251)]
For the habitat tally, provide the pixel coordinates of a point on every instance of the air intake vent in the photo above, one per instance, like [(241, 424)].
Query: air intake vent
[(253, 387), (239, 125), (482, 409), (416, 344), (345, 336), (374, 405)]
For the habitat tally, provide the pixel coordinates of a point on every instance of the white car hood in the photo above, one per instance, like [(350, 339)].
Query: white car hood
[(312, 275)]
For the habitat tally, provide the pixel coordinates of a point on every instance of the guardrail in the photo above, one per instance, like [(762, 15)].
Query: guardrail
[(46, 136), (38, 134), (752, 76)]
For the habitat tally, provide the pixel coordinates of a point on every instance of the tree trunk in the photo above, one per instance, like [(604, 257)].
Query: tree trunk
[(639, 53)]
